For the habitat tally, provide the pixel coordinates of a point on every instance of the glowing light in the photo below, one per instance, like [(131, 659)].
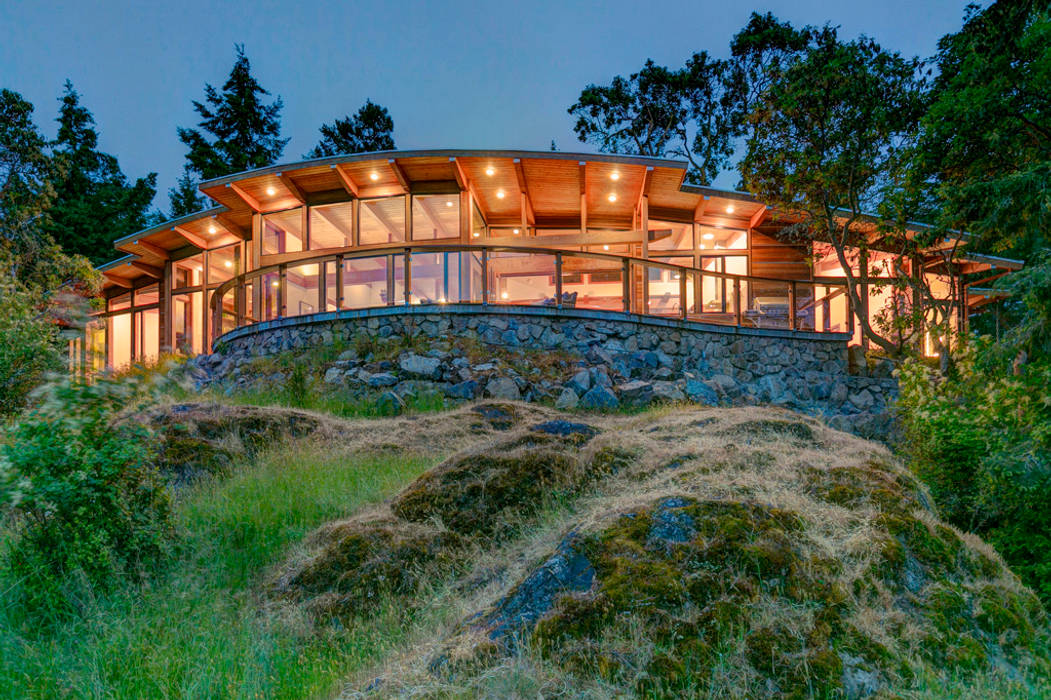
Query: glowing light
[(729, 209), (448, 204), (270, 191), (211, 229), (374, 176), (514, 231), (441, 300), (476, 234), (612, 197), (675, 275), (614, 175), (228, 264), (708, 236), (274, 283), (500, 194), (489, 171), (605, 247), (504, 295)]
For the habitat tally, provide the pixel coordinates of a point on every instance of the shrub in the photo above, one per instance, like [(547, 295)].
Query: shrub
[(87, 501), (28, 346)]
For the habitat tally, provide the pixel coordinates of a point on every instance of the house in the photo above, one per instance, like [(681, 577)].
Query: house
[(577, 233)]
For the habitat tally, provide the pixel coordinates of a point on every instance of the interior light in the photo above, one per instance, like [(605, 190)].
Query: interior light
[(503, 295), (700, 247), (476, 234), (612, 197), (605, 247), (675, 275), (514, 231), (228, 263), (500, 194), (211, 229), (449, 204), (374, 176), (729, 209), (271, 191), (274, 283), (614, 175), (441, 300), (708, 236), (489, 171)]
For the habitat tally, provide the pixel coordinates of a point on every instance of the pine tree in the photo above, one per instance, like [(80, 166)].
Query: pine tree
[(371, 129), (237, 131), (184, 197), (94, 201)]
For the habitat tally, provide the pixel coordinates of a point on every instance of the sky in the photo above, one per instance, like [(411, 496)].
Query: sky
[(454, 74)]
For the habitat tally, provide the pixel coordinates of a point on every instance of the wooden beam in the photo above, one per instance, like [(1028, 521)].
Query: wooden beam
[(644, 188), (191, 238), (119, 281), (387, 224), (462, 180), (232, 226), (759, 217), (153, 249), (292, 187), (699, 210), (245, 197), (427, 206), (399, 173), (583, 196), (528, 214), (348, 184), (154, 272)]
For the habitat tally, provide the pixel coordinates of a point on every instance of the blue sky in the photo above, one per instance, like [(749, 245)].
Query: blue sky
[(453, 74)]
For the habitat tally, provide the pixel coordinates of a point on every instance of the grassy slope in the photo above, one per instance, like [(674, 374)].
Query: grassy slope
[(201, 632)]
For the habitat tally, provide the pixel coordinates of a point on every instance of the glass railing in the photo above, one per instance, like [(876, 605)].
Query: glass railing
[(516, 276)]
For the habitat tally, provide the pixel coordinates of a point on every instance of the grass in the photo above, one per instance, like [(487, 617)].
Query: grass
[(203, 630)]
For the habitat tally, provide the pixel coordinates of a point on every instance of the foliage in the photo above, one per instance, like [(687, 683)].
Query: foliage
[(88, 501), (685, 112), (984, 153), (94, 202), (245, 131), (28, 346), (371, 129)]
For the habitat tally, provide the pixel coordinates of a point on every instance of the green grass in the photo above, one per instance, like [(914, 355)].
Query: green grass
[(203, 629)]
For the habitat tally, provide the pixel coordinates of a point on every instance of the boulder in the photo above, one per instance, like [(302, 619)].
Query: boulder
[(464, 390), (667, 392), (580, 382), (381, 379), (419, 365), (503, 388), (599, 397), (568, 399), (390, 404), (699, 392), (636, 393), (333, 375)]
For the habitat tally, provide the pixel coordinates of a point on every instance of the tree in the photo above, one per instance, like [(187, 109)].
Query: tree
[(244, 131), (371, 129), (985, 144), (94, 202), (827, 125), (184, 196), (660, 112)]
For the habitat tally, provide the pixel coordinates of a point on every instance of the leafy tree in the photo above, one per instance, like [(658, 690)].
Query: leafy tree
[(94, 202), (660, 112), (827, 125), (244, 131), (985, 146), (371, 129)]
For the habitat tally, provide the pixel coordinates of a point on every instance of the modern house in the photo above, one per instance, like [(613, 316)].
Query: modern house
[(577, 233)]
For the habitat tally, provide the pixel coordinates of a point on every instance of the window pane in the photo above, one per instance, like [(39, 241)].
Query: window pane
[(120, 302), (331, 226), (283, 232), (147, 295), (365, 282), (522, 278), (331, 293), (664, 287), (301, 289), (222, 264), (435, 216), (667, 235), (597, 282), (147, 335), (187, 272), (118, 329), (446, 278), (188, 320), (382, 220), (711, 238), (477, 223)]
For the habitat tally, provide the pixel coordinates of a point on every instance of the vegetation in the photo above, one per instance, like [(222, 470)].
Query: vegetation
[(371, 129)]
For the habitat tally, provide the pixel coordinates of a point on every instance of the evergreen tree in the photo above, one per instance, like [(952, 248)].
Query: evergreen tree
[(371, 129), (94, 201), (184, 196), (238, 131)]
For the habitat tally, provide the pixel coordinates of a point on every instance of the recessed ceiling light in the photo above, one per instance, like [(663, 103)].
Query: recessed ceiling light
[(504, 295), (374, 176), (614, 175), (500, 194), (271, 191), (476, 234), (729, 209), (489, 171), (708, 236), (612, 197), (274, 283), (675, 275), (211, 229), (228, 263), (514, 231), (605, 247), (448, 204)]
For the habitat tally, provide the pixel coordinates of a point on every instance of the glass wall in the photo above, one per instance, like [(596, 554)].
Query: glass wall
[(223, 263), (365, 282), (524, 278), (188, 322), (332, 226), (283, 232), (435, 216), (712, 238), (301, 289), (382, 220), (188, 272), (668, 235)]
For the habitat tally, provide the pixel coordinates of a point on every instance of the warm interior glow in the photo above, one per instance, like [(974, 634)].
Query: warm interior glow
[(708, 236), (729, 209), (374, 176), (274, 283), (489, 171), (476, 234), (441, 300), (228, 263), (612, 197), (211, 229), (503, 295), (271, 191), (448, 204), (515, 231), (614, 175), (605, 247), (500, 194)]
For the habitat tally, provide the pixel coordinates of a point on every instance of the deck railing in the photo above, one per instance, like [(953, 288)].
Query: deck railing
[(517, 276)]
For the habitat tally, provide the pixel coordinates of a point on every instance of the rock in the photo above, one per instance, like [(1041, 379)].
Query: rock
[(565, 428), (599, 397), (484, 367), (858, 681), (838, 394), (568, 399), (390, 404), (419, 366), (671, 525), (580, 382), (862, 400), (700, 392), (503, 388), (636, 393), (464, 390), (333, 375), (348, 355), (667, 392), (381, 379), (724, 384)]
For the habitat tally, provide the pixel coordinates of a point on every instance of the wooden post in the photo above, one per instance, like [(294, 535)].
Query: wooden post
[(558, 280), (407, 277), (682, 294), (792, 305), (166, 331), (282, 295), (485, 276), (737, 300), (339, 282), (626, 278)]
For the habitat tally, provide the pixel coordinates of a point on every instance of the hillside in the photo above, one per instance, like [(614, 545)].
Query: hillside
[(682, 551)]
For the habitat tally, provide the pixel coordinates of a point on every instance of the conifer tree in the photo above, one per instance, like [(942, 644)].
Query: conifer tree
[(94, 201), (371, 129), (238, 131)]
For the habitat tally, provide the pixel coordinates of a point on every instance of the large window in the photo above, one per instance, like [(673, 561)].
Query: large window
[(382, 220), (435, 216), (188, 272), (283, 232), (331, 226), (188, 322), (668, 235), (712, 238), (222, 263)]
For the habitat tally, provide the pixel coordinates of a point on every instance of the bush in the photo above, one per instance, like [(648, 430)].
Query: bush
[(88, 504), (28, 346)]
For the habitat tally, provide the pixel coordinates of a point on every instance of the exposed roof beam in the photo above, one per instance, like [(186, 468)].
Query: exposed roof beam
[(245, 197), (644, 188), (759, 217), (191, 238), (348, 184), (528, 214), (462, 180), (702, 205), (387, 223), (153, 249), (119, 281), (399, 173), (428, 209), (583, 196), (292, 187), (242, 232), (154, 272)]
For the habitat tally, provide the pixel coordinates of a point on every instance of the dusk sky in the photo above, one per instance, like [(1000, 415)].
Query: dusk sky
[(452, 74)]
